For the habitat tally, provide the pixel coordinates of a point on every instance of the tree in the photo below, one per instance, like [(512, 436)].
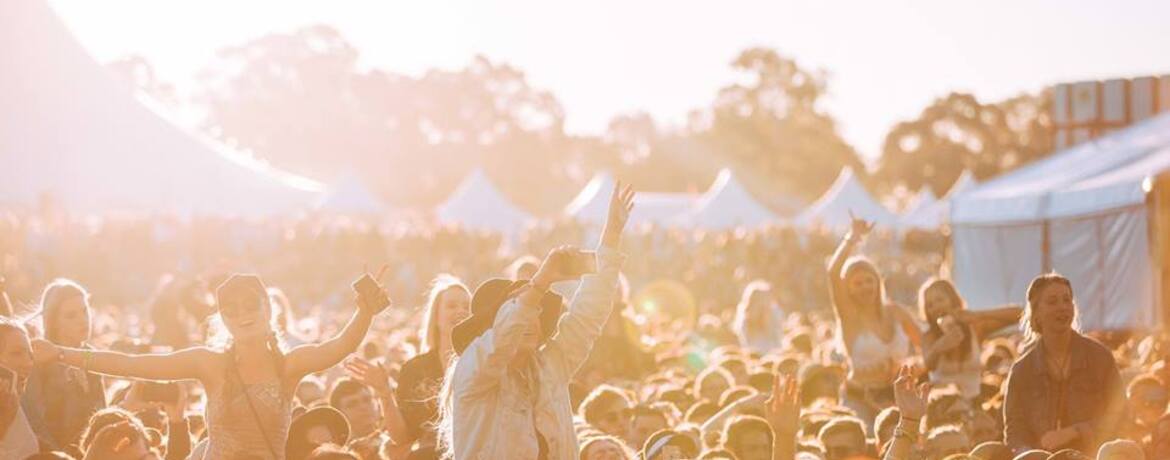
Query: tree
[(301, 101), (957, 133), (773, 125)]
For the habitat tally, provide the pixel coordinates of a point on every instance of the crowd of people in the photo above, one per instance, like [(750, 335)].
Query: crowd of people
[(203, 339)]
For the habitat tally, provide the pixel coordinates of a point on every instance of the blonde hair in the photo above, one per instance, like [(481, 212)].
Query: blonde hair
[(429, 332), (754, 288)]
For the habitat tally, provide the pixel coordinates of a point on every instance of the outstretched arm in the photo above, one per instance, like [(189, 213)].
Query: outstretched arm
[(307, 359), (593, 302), (859, 229), (191, 363), (985, 322)]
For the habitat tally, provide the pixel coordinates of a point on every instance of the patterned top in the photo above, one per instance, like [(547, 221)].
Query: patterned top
[(233, 429)]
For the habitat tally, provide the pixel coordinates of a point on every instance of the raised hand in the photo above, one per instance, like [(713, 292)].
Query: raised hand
[(782, 409), (621, 203), (373, 374), (911, 399), (858, 227), (554, 268)]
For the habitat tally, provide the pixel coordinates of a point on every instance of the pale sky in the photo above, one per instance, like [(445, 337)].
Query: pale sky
[(887, 59)]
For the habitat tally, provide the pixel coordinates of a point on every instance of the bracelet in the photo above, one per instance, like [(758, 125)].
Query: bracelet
[(87, 361)]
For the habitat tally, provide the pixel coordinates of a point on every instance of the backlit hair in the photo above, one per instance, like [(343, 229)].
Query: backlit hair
[(429, 333), (1030, 329), (54, 295)]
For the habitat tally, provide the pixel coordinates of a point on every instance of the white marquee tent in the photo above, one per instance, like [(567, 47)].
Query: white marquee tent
[(725, 205), (592, 203), (846, 195), (350, 196), (477, 204), (1081, 212), (932, 213), (71, 131)]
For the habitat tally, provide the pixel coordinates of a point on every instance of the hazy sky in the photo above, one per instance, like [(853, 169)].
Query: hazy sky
[(887, 59)]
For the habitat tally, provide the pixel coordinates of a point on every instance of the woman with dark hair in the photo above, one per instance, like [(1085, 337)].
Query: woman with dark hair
[(1065, 392), (952, 344), (877, 336), (60, 399), (250, 383), (448, 303)]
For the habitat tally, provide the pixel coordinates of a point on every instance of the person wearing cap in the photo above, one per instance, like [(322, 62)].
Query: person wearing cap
[(507, 395), (250, 383)]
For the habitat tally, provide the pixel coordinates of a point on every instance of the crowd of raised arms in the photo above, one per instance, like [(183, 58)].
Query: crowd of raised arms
[(165, 339)]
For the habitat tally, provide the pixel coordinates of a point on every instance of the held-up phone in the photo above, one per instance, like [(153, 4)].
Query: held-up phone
[(366, 286), (163, 392), (578, 263)]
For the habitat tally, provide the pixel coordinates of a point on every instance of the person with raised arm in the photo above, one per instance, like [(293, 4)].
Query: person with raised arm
[(876, 335), (249, 383), (507, 394)]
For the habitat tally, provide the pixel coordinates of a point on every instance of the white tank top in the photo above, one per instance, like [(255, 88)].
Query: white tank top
[(870, 354)]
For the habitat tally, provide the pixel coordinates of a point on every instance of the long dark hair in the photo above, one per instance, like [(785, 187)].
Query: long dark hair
[(934, 332)]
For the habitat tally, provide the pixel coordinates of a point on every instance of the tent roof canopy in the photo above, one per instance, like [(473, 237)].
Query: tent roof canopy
[(846, 195), (1099, 175), (349, 195), (479, 205), (727, 204), (68, 128), (591, 205), (937, 212)]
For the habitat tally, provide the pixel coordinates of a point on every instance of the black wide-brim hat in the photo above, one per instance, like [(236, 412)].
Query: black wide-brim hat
[(297, 446), (486, 302)]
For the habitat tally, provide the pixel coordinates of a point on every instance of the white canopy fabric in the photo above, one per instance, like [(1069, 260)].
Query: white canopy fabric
[(661, 209), (934, 213), (727, 204), (477, 204), (846, 195), (1103, 174), (1088, 202), (70, 130), (591, 205), (350, 196)]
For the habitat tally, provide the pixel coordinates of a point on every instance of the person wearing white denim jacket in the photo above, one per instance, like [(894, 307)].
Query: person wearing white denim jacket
[(507, 386)]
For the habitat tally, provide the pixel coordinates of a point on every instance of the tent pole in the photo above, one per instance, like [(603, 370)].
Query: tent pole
[(1158, 222), (1046, 246)]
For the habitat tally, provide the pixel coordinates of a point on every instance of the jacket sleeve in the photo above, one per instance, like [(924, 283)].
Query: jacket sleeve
[(588, 311), (485, 361), (1017, 432)]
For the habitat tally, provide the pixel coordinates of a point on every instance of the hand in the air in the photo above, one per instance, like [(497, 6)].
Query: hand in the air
[(621, 203), (373, 374), (910, 398), (782, 409)]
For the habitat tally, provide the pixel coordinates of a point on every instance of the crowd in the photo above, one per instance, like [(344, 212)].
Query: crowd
[(140, 338)]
